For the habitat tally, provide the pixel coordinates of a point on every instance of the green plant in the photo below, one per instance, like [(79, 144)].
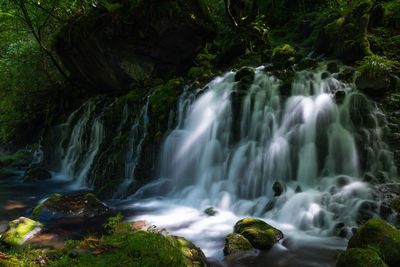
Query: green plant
[(375, 66)]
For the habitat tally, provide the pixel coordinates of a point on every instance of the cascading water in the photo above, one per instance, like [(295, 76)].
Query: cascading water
[(229, 156)]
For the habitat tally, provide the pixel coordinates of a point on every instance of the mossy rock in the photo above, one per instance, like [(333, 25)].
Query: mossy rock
[(244, 77), (35, 174), (4, 173), (19, 231), (193, 256), (380, 236), (260, 234), (360, 257), (283, 56), (81, 205), (236, 243), (19, 159)]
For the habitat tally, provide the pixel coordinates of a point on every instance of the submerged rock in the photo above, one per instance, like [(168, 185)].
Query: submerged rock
[(380, 236), (20, 230), (360, 257), (82, 205), (236, 243), (260, 234), (35, 174), (210, 211), (278, 188)]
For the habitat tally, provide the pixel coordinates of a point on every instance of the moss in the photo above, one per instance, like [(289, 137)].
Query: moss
[(376, 66), (260, 234), (380, 236), (283, 56), (21, 158), (395, 204), (359, 257), (18, 230), (39, 208), (236, 243)]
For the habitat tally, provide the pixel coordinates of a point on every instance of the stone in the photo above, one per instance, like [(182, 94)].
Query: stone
[(235, 244), (375, 86), (210, 211), (306, 63), (57, 206), (360, 257), (278, 188), (332, 67), (260, 234), (283, 56), (380, 236), (194, 256), (20, 230)]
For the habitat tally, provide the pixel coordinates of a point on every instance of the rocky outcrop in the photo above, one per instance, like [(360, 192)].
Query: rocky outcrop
[(112, 50)]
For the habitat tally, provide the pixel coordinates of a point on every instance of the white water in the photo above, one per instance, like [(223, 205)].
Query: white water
[(306, 140)]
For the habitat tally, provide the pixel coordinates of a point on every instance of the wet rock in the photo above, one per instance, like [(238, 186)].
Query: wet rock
[(346, 74), (260, 234), (35, 174), (395, 204), (244, 77), (342, 181), (236, 243), (298, 189), (278, 188), (332, 67), (283, 56), (341, 230), (366, 211), (20, 230), (339, 96), (82, 205), (325, 75), (360, 257), (210, 211), (383, 237)]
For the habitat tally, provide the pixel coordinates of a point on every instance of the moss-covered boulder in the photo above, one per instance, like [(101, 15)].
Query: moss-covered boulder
[(20, 230), (360, 257), (260, 234), (236, 243), (380, 236), (35, 174), (193, 256), (283, 56), (81, 205)]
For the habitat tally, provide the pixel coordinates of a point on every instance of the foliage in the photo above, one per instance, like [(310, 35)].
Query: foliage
[(376, 66)]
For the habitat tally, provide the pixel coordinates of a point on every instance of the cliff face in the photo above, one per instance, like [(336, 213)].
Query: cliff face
[(114, 50)]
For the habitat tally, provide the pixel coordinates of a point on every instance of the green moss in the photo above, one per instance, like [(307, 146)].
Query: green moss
[(359, 257), (283, 56), (395, 204), (18, 230), (380, 236), (260, 234), (377, 66), (21, 158), (39, 208), (236, 243)]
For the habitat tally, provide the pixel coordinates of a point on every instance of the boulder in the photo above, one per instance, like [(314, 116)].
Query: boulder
[(360, 257), (283, 56), (380, 236), (260, 234), (236, 243), (193, 255), (35, 174), (373, 85), (81, 205), (20, 230)]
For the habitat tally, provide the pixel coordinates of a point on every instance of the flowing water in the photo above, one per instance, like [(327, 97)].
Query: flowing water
[(230, 147)]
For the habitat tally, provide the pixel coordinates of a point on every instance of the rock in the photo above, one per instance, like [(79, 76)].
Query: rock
[(35, 174), (81, 205), (380, 236), (210, 211), (283, 56), (236, 243), (20, 230), (332, 67), (260, 234), (306, 63), (360, 257), (7, 174), (278, 188), (325, 75), (395, 204), (366, 211), (374, 86), (298, 189), (346, 74), (339, 96), (194, 256)]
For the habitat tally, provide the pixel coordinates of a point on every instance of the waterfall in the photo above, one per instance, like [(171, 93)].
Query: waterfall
[(316, 145)]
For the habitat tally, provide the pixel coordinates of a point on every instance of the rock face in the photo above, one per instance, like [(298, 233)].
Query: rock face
[(35, 174), (260, 234), (112, 50), (235, 243), (379, 236), (81, 205), (20, 230)]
